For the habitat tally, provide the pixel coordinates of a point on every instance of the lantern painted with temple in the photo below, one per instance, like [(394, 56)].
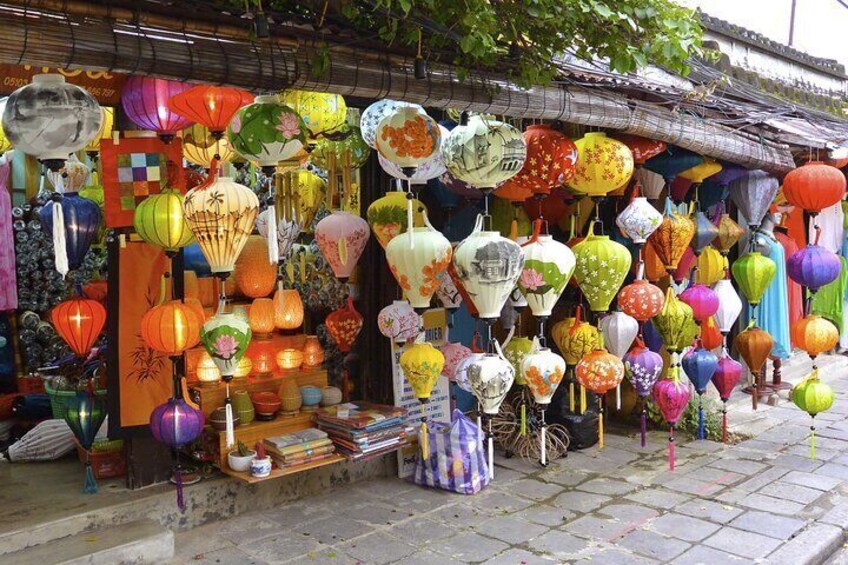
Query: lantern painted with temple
[(753, 273), (601, 266), (484, 153), (344, 325), (813, 266), (603, 164), (79, 321), (814, 186), (342, 237), (145, 103), (159, 221), (210, 106)]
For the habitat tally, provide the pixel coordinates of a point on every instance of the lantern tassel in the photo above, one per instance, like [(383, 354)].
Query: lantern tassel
[(700, 418), (600, 424), (90, 484), (491, 452), (644, 427), (228, 408), (813, 441), (523, 429), (671, 448), (273, 242), (724, 424), (618, 397), (59, 248), (424, 440), (582, 399), (544, 447), (178, 479), (571, 396)]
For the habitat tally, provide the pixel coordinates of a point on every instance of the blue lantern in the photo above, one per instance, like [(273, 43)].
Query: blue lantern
[(193, 260), (700, 365), (672, 162), (73, 221), (86, 413)]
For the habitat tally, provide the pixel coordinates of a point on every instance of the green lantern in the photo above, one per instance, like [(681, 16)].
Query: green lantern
[(812, 396), (602, 265), (507, 217), (267, 132), (675, 323), (753, 273), (84, 417), (515, 351), (344, 143), (225, 336), (159, 221)]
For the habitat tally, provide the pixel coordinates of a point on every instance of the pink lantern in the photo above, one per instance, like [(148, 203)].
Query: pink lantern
[(341, 237), (399, 322), (454, 354), (145, 102), (727, 375), (672, 395), (702, 299)]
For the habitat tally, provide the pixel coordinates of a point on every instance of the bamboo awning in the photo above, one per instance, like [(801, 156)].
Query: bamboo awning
[(67, 34)]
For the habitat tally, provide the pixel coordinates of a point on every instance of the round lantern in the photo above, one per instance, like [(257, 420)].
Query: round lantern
[(225, 336), (641, 300), (344, 325), (813, 266), (255, 276), (221, 216), (210, 106), (643, 368), (577, 339), (710, 266), (79, 322), (461, 371), (551, 160), (603, 164), (672, 396), (672, 237), (753, 273), (170, 328), (261, 317), (373, 115), (399, 322), (548, 265), (73, 221), (408, 137), (600, 372), (175, 424), (289, 359), (341, 237), (601, 266), (729, 232), (432, 168), (642, 148), (754, 345), (159, 221), (542, 370), (726, 377), (753, 194), (422, 364), (703, 301), (812, 396), (515, 350), (705, 233), (639, 219), (84, 415), (387, 216), (454, 354), (145, 103), (675, 323), (729, 306), (207, 371), (487, 266), (700, 366), (50, 119), (200, 147), (815, 335), (814, 186), (322, 112), (651, 183), (267, 133), (288, 309), (484, 153), (619, 331), (346, 147)]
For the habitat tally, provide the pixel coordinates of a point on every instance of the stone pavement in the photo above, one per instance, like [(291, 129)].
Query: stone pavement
[(762, 500)]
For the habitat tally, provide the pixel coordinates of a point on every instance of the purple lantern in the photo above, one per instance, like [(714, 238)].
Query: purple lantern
[(726, 376), (700, 366), (813, 266), (145, 101), (176, 423), (652, 337), (643, 367), (702, 299)]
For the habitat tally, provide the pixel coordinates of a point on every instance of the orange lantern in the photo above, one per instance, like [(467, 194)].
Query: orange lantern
[(344, 325), (551, 160), (261, 318), (313, 353), (210, 106), (600, 371), (814, 186), (255, 275), (512, 191), (79, 321), (671, 239), (197, 308), (729, 232), (262, 354), (711, 337), (814, 335), (641, 300), (288, 309), (170, 328), (207, 371), (289, 359), (654, 267), (754, 345)]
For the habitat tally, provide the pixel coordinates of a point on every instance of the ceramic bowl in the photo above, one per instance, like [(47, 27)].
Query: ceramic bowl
[(311, 396), (265, 403), (240, 462), (218, 419)]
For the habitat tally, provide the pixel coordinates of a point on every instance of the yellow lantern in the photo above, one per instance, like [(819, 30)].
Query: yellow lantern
[(700, 172), (207, 371), (261, 317), (107, 123), (159, 221), (422, 364), (711, 266), (289, 359), (244, 367), (321, 111), (603, 164), (308, 191), (387, 216), (199, 146), (288, 309)]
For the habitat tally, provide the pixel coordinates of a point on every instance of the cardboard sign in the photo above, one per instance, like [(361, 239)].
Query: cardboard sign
[(104, 86)]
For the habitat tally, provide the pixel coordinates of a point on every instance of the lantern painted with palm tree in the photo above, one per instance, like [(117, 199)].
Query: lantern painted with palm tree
[(726, 377), (387, 216), (672, 395), (814, 186), (601, 266), (815, 335), (267, 132), (484, 153), (599, 371), (341, 237), (79, 321), (700, 365), (813, 266), (548, 265), (322, 112), (416, 260), (221, 215), (675, 323), (170, 328), (344, 325), (753, 273), (672, 237), (753, 194), (643, 368), (159, 221), (200, 147), (408, 137), (603, 164), (729, 233), (84, 416), (145, 103), (210, 106), (551, 160), (813, 397)]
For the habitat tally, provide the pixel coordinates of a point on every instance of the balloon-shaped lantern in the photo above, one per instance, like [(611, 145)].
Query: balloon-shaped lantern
[(548, 265), (726, 376), (210, 106), (576, 338), (515, 350), (159, 221), (408, 137), (815, 335), (703, 301), (200, 147), (344, 325), (484, 153), (642, 148), (175, 424), (322, 112), (416, 260), (600, 372), (399, 322), (346, 146), (812, 396), (672, 237), (254, 274), (341, 237), (700, 365), (753, 194), (675, 323), (643, 368), (454, 354), (602, 265), (84, 416), (641, 300), (374, 114), (813, 266), (639, 219), (619, 330), (711, 266), (603, 164), (551, 160), (267, 133), (672, 395), (79, 321), (814, 186), (422, 364), (543, 370), (145, 103), (170, 328), (753, 273)]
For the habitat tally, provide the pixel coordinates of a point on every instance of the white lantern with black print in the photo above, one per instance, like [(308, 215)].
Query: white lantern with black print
[(490, 377), (484, 153)]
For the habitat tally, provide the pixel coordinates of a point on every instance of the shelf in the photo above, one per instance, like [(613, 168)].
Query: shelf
[(255, 431), (277, 472)]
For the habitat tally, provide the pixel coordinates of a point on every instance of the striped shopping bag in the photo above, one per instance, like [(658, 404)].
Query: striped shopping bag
[(457, 459)]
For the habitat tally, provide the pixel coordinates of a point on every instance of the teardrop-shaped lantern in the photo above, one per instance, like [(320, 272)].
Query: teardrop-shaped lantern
[(813, 266), (159, 221), (254, 274), (145, 103), (726, 377), (603, 164), (643, 368), (422, 364), (416, 260), (515, 351), (672, 396), (551, 160), (484, 153), (548, 265), (753, 273), (814, 186), (729, 305), (705, 233), (387, 216), (342, 237), (753, 194), (267, 132), (711, 266), (675, 323), (543, 370), (490, 377), (754, 345), (672, 237), (309, 192), (700, 365), (80, 218), (702, 299), (815, 335), (79, 321), (398, 321), (225, 336), (639, 220), (711, 337), (602, 265), (641, 300), (344, 325), (673, 161), (729, 233), (408, 137), (619, 331), (221, 216)]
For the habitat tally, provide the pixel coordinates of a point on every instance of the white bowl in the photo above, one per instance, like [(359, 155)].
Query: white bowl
[(240, 462)]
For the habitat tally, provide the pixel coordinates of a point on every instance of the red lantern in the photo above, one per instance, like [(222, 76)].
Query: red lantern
[(550, 162), (710, 334), (551, 208), (641, 300), (170, 328), (344, 325), (641, 147), (600, 371), (513, 191), (79, 321), (210, 106), (814, 186)]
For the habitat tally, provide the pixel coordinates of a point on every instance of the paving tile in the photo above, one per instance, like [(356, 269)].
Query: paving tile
[(497, 502), (607, 486), (833, 470), (708, 510), (422, 530), (653, 545), (635, 513), (838, 515), (332, 530), (469, 546), (692, 486), (742, 543), (425, 557), (533, 489), (280, 548), (580, 501), (203, 539), (741, 466), (796, 462), (293, 515), (821, 454), (593, 527), (517, 556), (459, 515), (760, 480), (770, 504), (325, 556), (795, 493), (613, 556), (510, 529), (768, 524), (377, 548), (658, 498), (379, 514), (228, 555), (703, 555), (248, 528), (545, 515), (715, 476), (560, 545), (683, 527), (813, 545), (563, 476)]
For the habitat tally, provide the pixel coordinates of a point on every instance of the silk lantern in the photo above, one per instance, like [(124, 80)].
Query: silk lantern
[(619, 331), (641, 300), (726, 377), (705, 232), (145, 103), (729, 305), (490, 376), (373, 115), (341, 237), (170, 328), (753, 273), (221, 216), (702, 171), (484, 153), (159, 221), (254, 274), (651, 183), (543, 370), (387, 216), (344, 325), (85, 413), (261, 317), (322, 112), (461, 371), (515, 350), (210, 106), (309, 192), (711, 337), (430, 169), (288, 309), (601, 266), (548, 265), (408, 137), (672, 237), (399, 322), (813, 397), (814, 186), (671, 395), (815, 335), (454, 354), (176, 424), (711, 266), (603, 164), (813, 266), (643, 367), (267, 133), (639, 219), (487, 266), (703, 301), (73, 177), (225, 336), (672, 162), (79, 321), (729, 233), (288, 229), (600, 372), (754, 345), (675, 323), (753, 194), (642, 148), (700, 365), (50, 119), (346, 146), (416, 259), (200, 147), (577, 338), (551, 160), (74, 222), (684, 266)]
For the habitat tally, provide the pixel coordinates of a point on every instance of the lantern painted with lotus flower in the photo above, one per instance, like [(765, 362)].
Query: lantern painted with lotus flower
[(225, 336), (548, 265), (267, 132), (341, 237), (601, 266)]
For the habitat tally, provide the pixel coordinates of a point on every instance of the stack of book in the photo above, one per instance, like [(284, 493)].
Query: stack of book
[(361, 429), (299, 448)]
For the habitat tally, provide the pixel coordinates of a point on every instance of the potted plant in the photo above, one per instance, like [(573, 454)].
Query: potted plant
[(239, 459), (260, 465)]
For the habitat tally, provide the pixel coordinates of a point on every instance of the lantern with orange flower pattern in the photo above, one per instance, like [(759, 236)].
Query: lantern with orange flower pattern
[(344, 325), (671, 239), (600, 372)]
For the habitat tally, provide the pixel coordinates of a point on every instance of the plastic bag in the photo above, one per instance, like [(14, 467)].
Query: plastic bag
[(457, 460)]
